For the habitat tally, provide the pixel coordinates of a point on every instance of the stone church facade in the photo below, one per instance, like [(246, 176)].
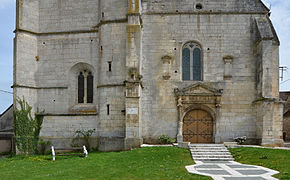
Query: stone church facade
[(200, 71)]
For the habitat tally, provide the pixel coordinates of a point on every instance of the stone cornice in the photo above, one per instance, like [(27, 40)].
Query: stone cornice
[(55, 33), (34, 87), (204, 13)]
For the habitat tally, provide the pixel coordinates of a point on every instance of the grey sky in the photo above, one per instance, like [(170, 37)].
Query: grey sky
[(280, 16)]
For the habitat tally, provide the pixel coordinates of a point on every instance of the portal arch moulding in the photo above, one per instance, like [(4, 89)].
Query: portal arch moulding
[(199, 96)]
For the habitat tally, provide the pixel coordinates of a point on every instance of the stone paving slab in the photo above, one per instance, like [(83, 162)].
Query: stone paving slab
[(244, 178), (231, 170)]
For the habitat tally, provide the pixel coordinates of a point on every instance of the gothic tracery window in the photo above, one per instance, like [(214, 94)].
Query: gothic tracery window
[(191, 62), (85, 87)]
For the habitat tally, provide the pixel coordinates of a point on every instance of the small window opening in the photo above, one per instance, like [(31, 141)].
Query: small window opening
[(110, 66), (133, 77), (103, 14), (198, 6), (108, 109), (101, 48), (85, 87)]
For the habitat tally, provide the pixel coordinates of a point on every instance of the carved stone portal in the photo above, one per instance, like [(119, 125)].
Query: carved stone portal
[(198, 106)]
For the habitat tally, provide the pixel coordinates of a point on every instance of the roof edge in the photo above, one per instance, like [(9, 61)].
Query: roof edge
[(263, 4)]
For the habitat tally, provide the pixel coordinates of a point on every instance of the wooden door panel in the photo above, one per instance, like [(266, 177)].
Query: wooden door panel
[(198, 127)]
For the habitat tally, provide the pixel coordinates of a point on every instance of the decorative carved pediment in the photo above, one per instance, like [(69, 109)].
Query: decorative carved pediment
[(198, 89)]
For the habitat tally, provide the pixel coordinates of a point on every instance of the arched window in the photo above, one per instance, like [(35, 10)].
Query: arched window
[(191, 62), (85, 87)]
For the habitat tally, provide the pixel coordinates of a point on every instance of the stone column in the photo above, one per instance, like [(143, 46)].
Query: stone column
[(180, 122), (133, 137)]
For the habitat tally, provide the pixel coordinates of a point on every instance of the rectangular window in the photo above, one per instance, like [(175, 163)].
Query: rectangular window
[(108, 109), (110, 66)]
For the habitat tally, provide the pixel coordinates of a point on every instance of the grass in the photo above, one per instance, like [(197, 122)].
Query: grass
[(271, 158), (144, 163)]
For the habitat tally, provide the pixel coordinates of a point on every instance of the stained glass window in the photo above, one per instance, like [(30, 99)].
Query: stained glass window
[(191, 62), (186, 64)]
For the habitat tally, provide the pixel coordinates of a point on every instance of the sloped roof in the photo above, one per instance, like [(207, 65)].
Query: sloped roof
[(6, 110), (266, 30)]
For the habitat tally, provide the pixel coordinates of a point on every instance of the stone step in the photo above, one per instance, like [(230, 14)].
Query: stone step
[(212, 156), (214, 159), (206, 145), (210, 153), (209, 149)]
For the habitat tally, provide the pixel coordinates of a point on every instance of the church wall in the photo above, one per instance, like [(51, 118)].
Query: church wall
[(212, 6), (89, 34), (113, 42), (58, 54), (25, 51), (219, 35), (27, 15), (111, 89), (67, 15), (60, 130), (113, 9)]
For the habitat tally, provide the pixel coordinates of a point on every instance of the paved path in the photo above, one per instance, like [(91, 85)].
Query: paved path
[(209, 165), (231, 170)]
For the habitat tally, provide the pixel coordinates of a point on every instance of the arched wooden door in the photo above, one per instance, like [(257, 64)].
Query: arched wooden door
[(198, 127)]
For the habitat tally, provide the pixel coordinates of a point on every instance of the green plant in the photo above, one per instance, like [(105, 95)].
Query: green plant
[(165, 139), (42, 146), (84, 135), (240, 140), (26, 128)]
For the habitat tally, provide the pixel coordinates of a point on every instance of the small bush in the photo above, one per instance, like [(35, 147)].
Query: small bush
[(165, 139), (83, 135), (43, 146), (240, 140)]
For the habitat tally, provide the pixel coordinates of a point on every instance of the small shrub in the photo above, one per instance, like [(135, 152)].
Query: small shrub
[(240, 140), (83, 135), (165, 139)]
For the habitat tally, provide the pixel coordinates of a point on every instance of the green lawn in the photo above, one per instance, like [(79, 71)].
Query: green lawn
[(144, 163), (271, 158)]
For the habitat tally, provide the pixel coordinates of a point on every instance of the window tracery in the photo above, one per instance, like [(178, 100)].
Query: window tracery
[(192, 62)]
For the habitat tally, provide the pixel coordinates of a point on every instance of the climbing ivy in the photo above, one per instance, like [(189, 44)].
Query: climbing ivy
[(26, 128)]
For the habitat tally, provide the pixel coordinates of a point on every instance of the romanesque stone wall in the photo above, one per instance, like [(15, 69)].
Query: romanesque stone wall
[(67, 15), (61, 57), (28, 15), (56, 39), (219, 35), (112, 10), (60, 130)]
